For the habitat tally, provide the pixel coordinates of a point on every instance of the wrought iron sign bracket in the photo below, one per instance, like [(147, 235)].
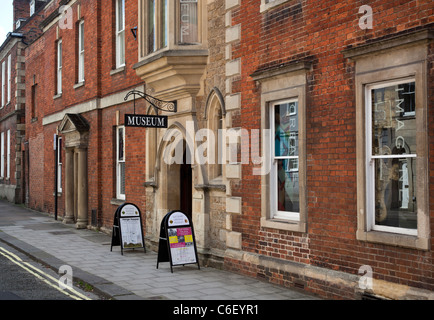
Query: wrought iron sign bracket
[(157, 104)]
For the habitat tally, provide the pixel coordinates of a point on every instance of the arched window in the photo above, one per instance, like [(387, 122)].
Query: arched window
[(215, 115)]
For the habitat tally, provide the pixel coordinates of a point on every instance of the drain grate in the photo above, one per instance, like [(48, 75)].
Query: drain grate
[(59, 233)]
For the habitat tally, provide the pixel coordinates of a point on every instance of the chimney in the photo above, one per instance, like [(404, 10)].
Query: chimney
[(21, 12)]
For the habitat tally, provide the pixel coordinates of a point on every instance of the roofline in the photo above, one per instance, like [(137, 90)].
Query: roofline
[(9, 36)]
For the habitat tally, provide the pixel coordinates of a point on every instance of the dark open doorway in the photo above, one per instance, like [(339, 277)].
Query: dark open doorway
[(186, 185)]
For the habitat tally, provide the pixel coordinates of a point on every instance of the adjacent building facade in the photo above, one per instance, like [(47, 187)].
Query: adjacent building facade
[(12, 95), (299, 135)]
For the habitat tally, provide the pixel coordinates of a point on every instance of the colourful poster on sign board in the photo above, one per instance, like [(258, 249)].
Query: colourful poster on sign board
[(181, 246)]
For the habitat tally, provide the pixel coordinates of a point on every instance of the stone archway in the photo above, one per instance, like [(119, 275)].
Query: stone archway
[(75, 129)]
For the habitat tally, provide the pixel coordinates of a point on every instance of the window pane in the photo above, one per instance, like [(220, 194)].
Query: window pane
[(121, 144), (122, 177), (286, 129), (81, 36), (164, 23), (151, 26), (393, 120), (120, 12), (81, 67), (59, 150), (395, 193), (188, 21), (121, 44), (287, 185), (59, 54)]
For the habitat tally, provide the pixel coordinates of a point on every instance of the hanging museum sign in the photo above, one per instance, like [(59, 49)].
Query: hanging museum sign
[(145, 121), (127, 228), (177, 243)]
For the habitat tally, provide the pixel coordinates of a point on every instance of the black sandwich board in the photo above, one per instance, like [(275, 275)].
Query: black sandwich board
[(177, 243), (127, 228)]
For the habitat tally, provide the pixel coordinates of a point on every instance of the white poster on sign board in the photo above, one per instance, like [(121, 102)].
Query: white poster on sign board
[(131, 232)]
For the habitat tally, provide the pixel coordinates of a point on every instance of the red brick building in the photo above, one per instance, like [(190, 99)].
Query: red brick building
[(86, 52), (321, 177), (347, 94)]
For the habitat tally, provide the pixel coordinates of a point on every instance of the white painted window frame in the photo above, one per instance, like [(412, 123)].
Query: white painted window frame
[(9, 73), (3, 86), (2, 155), (8, 154), (59, 66), (120, 33), (274, 212), (32, 7), (59, 164), (370, 161), (81, 52), (119, 195)]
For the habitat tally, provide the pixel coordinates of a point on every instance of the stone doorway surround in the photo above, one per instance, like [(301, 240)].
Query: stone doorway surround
[(75, 129)]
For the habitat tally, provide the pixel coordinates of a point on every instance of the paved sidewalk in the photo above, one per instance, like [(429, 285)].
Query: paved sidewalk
[(131, 276)]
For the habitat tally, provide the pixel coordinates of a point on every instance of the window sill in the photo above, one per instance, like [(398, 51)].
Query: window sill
[(211, 186), (394, 239), (117, 70), (78, 85), (57, 96), (287, 225), (117, 202), (166, 52), (267, 6), (150, 184)]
